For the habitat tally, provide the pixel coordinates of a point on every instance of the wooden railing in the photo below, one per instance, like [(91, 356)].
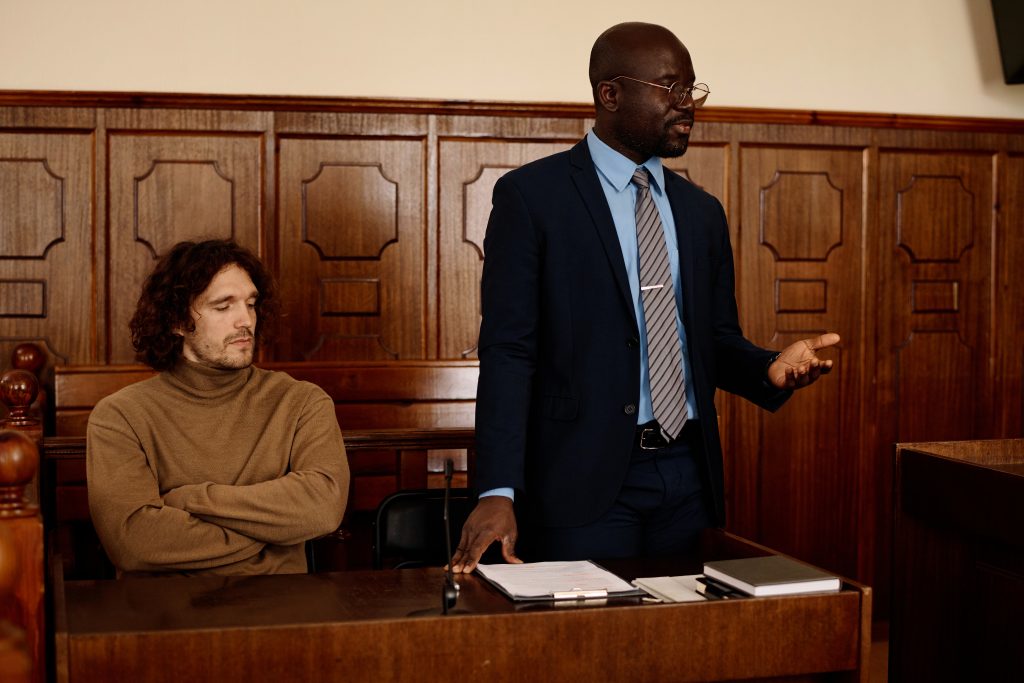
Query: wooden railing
[(21, 556), (22, 615), (15, 661), (366, 394)]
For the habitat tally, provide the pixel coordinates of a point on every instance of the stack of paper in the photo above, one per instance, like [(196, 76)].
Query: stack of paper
[(673, 588), (555, 581)]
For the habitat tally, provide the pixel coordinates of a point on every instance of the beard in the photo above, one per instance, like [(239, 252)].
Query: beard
[(666, 143), (224, 356)]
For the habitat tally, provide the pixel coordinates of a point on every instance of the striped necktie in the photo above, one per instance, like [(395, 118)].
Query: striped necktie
[(664, 353)]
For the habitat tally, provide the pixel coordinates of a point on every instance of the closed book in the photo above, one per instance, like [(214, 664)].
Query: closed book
[(771, 575)]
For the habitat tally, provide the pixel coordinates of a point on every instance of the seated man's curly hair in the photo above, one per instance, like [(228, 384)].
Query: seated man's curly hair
[(182, 274)]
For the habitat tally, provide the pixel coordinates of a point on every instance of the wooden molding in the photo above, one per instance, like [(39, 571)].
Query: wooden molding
[(156, 100)]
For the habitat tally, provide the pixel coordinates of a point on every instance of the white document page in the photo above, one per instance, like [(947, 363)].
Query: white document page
[(554, 580), (672, 588)]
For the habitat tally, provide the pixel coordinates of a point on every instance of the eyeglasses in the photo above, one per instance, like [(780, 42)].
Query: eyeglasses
[(679, 95)]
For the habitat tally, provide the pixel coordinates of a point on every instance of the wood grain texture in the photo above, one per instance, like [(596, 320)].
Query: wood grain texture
[(352, 249), (1008, 332), (801, 231), (47, 276), (378, 626), (367, 394), (21, 549), (902, 233), (468, 171), (957, 524), (933, 373), (166, 187)]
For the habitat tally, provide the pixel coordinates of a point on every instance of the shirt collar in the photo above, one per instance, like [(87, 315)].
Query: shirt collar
[(618, 170)]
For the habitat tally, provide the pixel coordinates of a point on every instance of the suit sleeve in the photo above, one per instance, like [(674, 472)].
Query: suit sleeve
[(138, 531), (741, 364), (510, 292), (307, 502)]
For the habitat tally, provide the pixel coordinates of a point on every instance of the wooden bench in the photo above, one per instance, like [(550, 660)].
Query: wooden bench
[(367, 394)]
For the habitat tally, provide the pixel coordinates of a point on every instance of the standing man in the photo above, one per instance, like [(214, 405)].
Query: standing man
[(609, 320), (213, 466)]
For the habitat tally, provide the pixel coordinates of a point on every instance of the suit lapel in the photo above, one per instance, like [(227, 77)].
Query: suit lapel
[(682, 214), (584, 175)]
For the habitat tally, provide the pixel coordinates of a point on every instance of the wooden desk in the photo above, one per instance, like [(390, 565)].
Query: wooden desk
[(385, 626), (958, 572)]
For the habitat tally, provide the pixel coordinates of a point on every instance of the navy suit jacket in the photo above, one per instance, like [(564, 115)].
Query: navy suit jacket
[(559, 344)]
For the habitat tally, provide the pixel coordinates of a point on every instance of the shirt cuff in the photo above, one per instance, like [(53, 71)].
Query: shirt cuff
[(506, 491)]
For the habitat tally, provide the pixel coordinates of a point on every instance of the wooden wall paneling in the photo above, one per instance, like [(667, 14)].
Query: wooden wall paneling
[(1009, 300), (468, 171), (933, 373), (47, 275), (170, 180), (801, 235), (411, 303), (934, 331), (937, 222), (473, 152), (706, 166), (352, 248)]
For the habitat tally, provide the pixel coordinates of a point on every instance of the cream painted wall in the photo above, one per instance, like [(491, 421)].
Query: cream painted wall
[(890, 56)]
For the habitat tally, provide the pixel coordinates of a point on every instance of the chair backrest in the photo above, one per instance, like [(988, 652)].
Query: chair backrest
[(409, 527)]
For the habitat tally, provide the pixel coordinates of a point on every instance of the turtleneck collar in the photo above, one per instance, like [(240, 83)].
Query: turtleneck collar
[(204, 382)]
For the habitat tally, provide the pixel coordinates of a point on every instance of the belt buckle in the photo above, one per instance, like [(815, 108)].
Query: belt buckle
[(652, 434)]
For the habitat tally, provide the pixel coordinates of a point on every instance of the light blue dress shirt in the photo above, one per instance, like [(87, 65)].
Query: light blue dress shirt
[(616, 174)]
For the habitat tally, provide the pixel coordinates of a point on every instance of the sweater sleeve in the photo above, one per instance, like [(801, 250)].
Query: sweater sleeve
[(307, 502), (138, 531)]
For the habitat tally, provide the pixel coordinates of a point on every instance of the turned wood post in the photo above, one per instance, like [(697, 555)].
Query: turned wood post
[(22, 527), (32, 357)]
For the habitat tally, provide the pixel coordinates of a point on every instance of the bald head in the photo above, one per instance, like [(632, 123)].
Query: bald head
[(621, 48), (634, 68)]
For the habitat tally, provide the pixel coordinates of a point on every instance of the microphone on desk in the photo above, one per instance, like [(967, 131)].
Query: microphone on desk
[(450, 593)]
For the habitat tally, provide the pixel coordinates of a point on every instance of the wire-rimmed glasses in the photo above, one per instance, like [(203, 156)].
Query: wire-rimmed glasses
[(680, 96)]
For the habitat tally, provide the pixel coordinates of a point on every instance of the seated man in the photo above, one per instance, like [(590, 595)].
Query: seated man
[(212, 466)]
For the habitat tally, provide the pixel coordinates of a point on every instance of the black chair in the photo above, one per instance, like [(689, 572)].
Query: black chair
[(409, 527)]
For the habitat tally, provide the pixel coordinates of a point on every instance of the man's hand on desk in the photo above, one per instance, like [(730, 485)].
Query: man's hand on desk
[(491, 520)]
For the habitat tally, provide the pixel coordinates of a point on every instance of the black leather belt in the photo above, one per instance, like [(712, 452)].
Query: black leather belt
[(649, 437)]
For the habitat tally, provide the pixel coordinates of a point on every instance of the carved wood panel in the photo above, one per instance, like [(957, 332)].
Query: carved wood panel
[(936, 222), (800, 233), (1009, 302), (931, 321), (932, 286), (705, 165), (47, 275), (352, 240), (468, 171), (165, 187)]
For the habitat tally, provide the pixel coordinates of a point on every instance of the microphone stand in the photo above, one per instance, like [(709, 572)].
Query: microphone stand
[(450, 591)]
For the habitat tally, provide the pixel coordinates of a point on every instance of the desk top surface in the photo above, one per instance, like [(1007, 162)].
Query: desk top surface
[(385, 626), (216, 602)]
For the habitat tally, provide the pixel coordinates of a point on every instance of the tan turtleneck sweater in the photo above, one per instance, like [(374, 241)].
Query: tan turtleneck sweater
[(199, 470)]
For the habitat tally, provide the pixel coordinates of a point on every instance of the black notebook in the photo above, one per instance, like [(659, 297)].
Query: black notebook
[(772, 575)]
